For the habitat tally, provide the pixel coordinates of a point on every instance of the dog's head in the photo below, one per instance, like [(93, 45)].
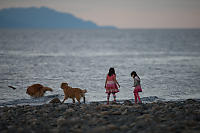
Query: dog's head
[(63, 85)]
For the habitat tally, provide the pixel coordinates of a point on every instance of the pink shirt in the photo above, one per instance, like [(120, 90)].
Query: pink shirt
[(110, 79)]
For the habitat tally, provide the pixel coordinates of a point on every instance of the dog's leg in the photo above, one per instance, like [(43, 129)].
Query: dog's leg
[(78, 101), (83, 99), (83, 95), (64, 100), (78, 97), (41, 94), (73, 100)]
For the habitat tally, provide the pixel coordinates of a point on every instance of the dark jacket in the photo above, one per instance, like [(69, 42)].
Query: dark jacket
[(136, 81)]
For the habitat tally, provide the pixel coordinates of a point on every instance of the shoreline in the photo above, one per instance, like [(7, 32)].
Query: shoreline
[(161, 116), (36, 101)]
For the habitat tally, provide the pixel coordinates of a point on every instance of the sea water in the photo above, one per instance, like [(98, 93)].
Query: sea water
[(167, 61)]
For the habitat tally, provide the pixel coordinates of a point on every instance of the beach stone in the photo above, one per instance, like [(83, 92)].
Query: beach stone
[(61, 121), (77, 131), (20, 130), (123, 107), (103, 107), (62, 107), (55, 100), (125, 112), (114, 103), (115, 106), (156, 108), (103, 129), (140, 125), (55, 130), (189, 101), (133, 124), (70, 110), (105, 112), (124, 127), (3, 126), (112, 127), (98, 108), (116, 113), (74, 120), (145, 118), (197, 116), (128, 102), (88, 115), (84, 106), (99, 129), (136, 106), (45, 114), (33, 121)]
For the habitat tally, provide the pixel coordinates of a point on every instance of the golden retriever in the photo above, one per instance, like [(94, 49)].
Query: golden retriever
[(73, 93), (37, 90)]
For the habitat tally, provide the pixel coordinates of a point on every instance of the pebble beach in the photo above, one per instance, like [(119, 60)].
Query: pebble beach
[(97, 117)]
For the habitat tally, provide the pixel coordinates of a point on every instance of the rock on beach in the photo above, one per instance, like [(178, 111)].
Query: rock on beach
[(165, 117)]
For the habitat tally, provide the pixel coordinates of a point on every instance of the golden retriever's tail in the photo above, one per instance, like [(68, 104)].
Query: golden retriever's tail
[(47, 89)]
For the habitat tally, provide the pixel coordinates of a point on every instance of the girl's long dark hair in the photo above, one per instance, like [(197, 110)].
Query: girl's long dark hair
[(134, 73), (111, 71)]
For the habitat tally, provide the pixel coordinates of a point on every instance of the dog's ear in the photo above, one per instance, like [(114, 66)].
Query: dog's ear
[(63, 85), (84, 91)]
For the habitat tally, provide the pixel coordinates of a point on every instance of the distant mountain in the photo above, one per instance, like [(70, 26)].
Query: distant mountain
[(42, 18)]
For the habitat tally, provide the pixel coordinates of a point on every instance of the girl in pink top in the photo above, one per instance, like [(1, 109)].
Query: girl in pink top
[(111, 84), (137, 86)]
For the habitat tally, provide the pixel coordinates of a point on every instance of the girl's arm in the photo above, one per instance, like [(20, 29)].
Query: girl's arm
[(106, 82), (116, 82)]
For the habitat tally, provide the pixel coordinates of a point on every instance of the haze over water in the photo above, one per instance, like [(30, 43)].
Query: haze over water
[(167, 61)]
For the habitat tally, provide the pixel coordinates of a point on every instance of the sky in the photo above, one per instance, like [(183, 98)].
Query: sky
[(124, 13)]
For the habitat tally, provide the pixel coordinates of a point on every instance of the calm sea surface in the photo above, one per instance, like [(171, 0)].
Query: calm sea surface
[(167, 61)]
